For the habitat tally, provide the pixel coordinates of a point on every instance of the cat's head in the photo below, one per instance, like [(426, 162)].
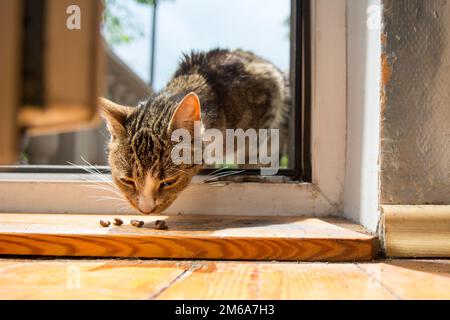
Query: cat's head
[(140, 150)]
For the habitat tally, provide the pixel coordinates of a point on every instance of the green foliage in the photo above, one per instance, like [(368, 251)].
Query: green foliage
[(119, 26), (148, 2), (284, 162)]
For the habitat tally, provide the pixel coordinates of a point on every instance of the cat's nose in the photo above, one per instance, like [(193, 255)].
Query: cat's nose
[(146, 204)]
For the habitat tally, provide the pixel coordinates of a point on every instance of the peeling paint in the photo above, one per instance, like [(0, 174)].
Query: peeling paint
[(386, 70), (384, 39), (386, 73)]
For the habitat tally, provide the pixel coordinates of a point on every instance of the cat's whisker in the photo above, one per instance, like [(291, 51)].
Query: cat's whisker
[(97, 182), (104, 135), (108, 187), (217, 184), (90, 168), (84, 168), (100, 177), (103, 198), (103, 184), (216, 179), (125, 207), (217, 171), (100, 187), (98, 200), (225, 174), (121, 205), (108, 197), (91, 171), (94, 185), (220, 173), (90, 165)]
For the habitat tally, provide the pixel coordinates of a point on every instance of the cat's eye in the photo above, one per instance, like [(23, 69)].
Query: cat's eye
[(128, 182), (168, 183)]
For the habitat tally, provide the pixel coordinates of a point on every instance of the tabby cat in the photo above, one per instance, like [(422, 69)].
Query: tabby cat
[(221, 88)]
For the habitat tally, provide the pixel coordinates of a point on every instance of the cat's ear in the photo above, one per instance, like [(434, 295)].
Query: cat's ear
[(187, 113), (115, 116)]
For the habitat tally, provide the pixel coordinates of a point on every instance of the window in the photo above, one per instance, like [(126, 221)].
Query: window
[(141, 51), (308, 184)]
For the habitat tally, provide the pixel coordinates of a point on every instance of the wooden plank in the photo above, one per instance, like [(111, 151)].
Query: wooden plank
[(188, 237), (10, 77), (94, 279), (150, 279), (411, 279), (230, 280), (416, 231)]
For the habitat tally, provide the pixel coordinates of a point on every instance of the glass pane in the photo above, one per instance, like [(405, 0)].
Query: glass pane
[(259, 26)]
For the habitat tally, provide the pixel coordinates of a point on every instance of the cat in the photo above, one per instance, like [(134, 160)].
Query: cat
[(221, 88)]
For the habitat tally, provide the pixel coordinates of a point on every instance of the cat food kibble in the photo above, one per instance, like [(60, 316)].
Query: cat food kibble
[(161, 225), (104, 223), (137, 223), (118, 222)]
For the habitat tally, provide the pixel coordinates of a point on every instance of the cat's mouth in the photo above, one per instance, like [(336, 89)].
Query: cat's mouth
[(153, 211), (148, 212), (145, 212), (159, 208), (136, 207)]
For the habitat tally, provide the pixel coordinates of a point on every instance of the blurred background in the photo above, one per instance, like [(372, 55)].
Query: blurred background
[(144, 40)]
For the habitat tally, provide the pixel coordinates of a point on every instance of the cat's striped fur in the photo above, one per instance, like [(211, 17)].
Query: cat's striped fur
[(236, 89)]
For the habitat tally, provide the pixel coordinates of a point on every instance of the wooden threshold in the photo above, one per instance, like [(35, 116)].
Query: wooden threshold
[(188, 237), (416, 231)]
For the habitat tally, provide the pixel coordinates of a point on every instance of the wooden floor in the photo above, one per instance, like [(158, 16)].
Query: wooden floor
[(188, 237), (150, 279)]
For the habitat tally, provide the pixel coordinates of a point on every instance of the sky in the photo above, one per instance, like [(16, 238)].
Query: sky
[(185, 25)]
